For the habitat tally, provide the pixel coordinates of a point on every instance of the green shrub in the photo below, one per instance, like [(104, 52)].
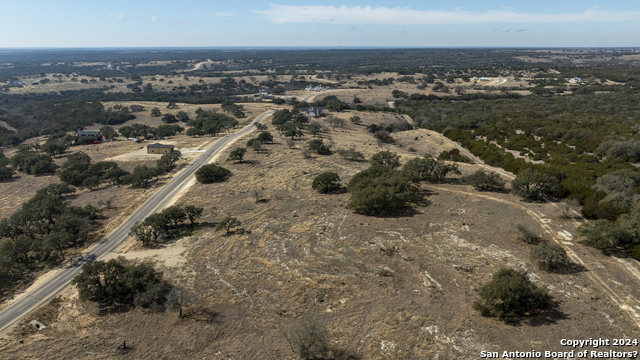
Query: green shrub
[(385, 159), (326, 183), (484, 181), (549, 257), (509, 295), (532, 185), (319, 146), (380, 190), (635, 251), (212, 173)]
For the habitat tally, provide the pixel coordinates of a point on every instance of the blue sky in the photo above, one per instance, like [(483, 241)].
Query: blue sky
[(188, 23)]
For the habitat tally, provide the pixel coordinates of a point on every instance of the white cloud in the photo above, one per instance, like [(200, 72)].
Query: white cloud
[(405, 16), (119, 16), (222, 14), (153, 19)]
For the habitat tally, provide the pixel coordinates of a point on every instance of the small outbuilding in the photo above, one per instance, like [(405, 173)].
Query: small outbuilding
[(158, 148)]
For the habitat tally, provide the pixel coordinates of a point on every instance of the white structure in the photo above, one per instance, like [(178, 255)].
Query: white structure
[(315, 88), (575, 80), (314, 111)]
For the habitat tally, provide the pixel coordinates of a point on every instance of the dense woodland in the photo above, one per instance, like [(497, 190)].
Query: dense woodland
[(587, 143)]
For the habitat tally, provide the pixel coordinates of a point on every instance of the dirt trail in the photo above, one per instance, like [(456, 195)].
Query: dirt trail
[(592, 270), (475, 160), (198, 66), (311, 97), (7, 126), (577, 217), (498, 81)]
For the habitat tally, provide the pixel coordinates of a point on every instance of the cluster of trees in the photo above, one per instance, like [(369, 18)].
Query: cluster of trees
[(262, 138), (45, 114), (210, 123), (140, 130), (39, 233), (164, 223), (332, 103), (78, 171), (382, 189), (453, 155), (383, 132), (427, 169), (319, 146), (5, 171), (142, 174), (291, 123), (28, 160), (230, 107), (117, 281)]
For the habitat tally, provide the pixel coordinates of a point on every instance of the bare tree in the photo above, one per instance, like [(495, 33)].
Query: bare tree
[(180, 297), (527, 235), (310, 339), (108, 203)]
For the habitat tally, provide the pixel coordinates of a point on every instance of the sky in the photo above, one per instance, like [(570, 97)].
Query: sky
[(198, 23)]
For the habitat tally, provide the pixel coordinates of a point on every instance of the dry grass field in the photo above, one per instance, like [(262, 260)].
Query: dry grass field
[(385, 287)]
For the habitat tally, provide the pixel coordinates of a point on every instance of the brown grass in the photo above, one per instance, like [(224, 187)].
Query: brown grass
[(386, 287)]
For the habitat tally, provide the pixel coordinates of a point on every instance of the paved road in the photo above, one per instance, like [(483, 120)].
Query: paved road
[(40, 295)]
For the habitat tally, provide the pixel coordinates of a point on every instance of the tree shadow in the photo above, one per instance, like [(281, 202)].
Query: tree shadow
[(406, 212), (356, 160), (123, 349), (572, 268), (202, 315), (617, 252), (240, 231), (342, 354), (548, 317), (249, 162), (110, 308), (13, 178)]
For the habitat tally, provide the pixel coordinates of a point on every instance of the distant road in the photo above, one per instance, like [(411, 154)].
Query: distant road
[(43, 293)]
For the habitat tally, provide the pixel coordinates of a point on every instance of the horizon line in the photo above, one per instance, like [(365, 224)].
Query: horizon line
[(306, 47)]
